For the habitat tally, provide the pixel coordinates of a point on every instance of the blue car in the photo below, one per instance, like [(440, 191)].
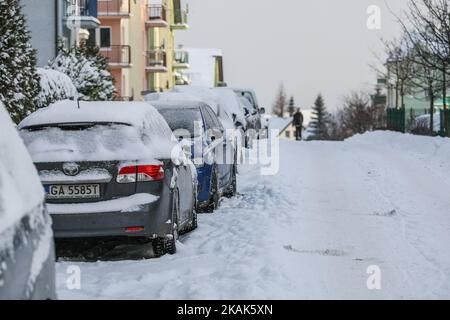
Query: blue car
[(213, 154)]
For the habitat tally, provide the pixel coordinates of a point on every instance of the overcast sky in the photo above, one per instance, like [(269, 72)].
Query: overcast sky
[(311, 46)]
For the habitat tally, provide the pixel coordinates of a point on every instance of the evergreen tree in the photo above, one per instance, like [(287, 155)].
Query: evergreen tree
[(87, 69), (19, 82), (319, 121), (291, 106), (280, 102)]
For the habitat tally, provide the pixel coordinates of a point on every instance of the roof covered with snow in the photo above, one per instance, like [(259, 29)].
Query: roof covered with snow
[(276, 123)]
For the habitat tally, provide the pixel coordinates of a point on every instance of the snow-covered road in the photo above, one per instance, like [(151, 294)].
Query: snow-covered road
[(311, 231)]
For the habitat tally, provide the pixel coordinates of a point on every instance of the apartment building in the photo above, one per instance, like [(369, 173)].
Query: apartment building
[(137, 37), (50, 21), (113, 38), (164, 18), (205, 67)]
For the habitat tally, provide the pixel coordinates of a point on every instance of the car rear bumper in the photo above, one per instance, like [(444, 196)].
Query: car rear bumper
[(150, 220)]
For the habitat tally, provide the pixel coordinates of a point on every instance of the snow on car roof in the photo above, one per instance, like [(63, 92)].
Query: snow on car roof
[(67, 111), (177, 104), (148, 135), (20, 188)]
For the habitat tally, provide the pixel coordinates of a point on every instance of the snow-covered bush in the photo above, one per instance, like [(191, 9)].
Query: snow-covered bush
[(19, 83), (55, 86), (421, 124), (88, 71)]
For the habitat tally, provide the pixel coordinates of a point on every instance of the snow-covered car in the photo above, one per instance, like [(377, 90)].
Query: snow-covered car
[(214, 158), (27, 258), (112, 169), (253, 111), (216, 101), (231, 104)]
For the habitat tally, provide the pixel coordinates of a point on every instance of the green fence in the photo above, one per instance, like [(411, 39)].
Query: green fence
[(445, 123), (396, 120)]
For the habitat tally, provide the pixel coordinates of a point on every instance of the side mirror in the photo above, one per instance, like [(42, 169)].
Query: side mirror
[(187, 150), (262, 110), (214, 134)]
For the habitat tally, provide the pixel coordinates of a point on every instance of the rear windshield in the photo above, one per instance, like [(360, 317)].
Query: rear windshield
[(85, 142), (184, 119)]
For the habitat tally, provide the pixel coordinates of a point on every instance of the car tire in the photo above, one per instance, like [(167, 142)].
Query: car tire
[(232, 189), (163, 245), (214, 193)]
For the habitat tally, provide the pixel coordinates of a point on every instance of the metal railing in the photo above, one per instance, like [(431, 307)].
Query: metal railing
[(117, 54), (82, 8), (113, 7), (181, 57), (180, 17), (156, 59), (156, 12)]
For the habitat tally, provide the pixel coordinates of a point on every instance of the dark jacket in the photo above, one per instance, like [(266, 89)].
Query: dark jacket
[(298, 119)]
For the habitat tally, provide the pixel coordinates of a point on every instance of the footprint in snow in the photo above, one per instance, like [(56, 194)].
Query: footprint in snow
[(326, 252), (391, 213)]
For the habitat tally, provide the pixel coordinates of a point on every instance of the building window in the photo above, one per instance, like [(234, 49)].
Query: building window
[(105, 37), (288, 134)]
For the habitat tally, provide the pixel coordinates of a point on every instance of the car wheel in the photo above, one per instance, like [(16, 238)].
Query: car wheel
[(163, 245), (232, 189), (214, 193)]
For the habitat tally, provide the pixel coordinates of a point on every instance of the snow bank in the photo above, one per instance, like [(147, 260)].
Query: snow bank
[(20, 188), (434, 149), (139, 132), (55, 86)]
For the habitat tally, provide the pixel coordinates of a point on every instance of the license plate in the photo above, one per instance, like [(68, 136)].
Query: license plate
[(78, 191)]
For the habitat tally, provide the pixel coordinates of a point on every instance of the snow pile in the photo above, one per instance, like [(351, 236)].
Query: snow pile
[(135, 130), (20, 188), (55, 86)]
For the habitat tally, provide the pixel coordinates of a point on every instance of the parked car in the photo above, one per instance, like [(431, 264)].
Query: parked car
[(112, 169), (27, 258), (252, 109), (216, 100), (213, 156)]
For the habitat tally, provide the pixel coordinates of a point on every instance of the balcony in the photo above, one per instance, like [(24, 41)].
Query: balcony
[(81, 14), (156, 61), (180, 20), (156, 17), (113, 9), (181, 59), (119, 56)]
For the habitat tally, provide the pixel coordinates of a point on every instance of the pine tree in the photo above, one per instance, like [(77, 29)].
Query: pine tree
[(280, 102), (319, 121), (19, 82), (87, 69), (291, 106)]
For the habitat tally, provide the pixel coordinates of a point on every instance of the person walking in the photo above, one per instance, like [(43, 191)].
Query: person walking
[(298, 124)]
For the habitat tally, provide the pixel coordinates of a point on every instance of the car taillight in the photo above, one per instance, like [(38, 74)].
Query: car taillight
[(141, 173)]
